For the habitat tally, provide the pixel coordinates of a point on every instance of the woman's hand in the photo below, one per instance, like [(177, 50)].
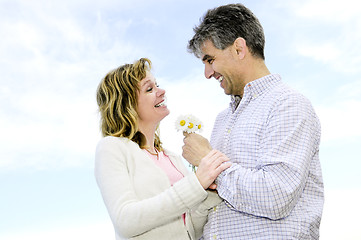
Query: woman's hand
[(210, 167)]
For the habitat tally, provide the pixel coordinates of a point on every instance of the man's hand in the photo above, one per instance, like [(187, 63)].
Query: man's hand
[(195, 148)]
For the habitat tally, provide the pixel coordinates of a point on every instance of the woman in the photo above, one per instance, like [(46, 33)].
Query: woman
[(147, 190)]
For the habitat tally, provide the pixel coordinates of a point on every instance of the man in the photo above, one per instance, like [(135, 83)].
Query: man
[(274, 188)]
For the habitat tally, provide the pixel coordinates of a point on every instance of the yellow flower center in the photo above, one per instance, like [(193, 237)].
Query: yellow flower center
[(190, 125), (199, 126), (182, 122)]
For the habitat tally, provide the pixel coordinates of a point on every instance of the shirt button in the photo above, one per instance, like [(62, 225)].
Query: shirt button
[(214, 236), (229, 131), (254, 95), (215, 208)]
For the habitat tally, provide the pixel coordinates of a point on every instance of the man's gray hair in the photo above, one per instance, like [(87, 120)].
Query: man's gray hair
[(223, 25)]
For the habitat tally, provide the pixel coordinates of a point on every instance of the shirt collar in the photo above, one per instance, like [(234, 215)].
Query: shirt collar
[(235, 100), (255, 89)]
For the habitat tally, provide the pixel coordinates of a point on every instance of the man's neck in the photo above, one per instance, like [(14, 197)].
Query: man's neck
[(258, 70)]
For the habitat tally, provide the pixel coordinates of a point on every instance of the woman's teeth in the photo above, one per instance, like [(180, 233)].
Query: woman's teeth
[(220, 79), (161, 104)]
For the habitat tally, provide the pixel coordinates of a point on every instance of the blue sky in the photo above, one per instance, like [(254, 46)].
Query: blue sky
[(54, 53)]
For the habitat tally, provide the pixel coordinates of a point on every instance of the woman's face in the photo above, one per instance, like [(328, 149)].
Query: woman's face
[(152, 106)]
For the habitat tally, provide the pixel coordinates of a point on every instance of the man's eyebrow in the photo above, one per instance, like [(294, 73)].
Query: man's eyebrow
[(206, 57)]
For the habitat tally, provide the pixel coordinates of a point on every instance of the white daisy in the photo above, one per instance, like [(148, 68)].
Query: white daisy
[(181, 124)]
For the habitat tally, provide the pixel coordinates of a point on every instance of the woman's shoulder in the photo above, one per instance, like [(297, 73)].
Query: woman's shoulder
[(111, 141)]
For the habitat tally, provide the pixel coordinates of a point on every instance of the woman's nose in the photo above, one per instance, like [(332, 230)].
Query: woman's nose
[(160, 92)]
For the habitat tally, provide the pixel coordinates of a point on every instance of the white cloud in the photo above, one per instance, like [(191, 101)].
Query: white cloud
[(351, 90), (51, 66), (323, 52), (330, 11), (49, 130), (328, 32), (340, 121)]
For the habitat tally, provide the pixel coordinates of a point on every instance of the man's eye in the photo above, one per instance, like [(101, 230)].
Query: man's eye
[(210, 61)]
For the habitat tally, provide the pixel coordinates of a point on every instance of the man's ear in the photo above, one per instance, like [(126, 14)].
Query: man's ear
[(240, 47)]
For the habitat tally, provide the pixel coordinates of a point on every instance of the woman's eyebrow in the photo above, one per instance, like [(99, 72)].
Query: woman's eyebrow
[(146, 82)]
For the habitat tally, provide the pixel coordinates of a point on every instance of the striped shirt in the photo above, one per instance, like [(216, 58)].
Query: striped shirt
[(274, 188)]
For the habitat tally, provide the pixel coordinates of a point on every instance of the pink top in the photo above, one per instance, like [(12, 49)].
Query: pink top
[(167, 166)]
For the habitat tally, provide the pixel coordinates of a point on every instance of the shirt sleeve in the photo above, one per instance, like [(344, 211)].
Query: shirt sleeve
[(130, 215), (290, 141)]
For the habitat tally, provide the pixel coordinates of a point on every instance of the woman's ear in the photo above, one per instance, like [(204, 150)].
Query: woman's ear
[(240, 47)]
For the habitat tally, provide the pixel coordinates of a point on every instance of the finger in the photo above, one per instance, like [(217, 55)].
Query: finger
[(221, 155), (221, 160), (212, 154), (218, 154), (213, 186), (223, 167), (215, 157), (186, 139), (186, 134)]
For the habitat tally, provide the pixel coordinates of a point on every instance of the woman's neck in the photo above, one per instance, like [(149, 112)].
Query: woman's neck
[(149, 134)]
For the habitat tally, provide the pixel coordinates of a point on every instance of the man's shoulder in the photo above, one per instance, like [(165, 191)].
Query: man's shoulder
[(283, 92)]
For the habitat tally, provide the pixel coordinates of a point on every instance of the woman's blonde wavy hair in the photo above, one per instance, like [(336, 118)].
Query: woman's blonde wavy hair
[(117, 98)]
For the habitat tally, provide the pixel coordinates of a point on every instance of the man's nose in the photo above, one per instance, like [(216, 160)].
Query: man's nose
[(208, 71)]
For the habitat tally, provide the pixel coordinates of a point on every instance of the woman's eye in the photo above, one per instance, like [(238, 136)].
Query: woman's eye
[(149, 89)]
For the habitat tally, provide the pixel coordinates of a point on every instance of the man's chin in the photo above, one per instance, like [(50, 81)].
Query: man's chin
[(227, 92)]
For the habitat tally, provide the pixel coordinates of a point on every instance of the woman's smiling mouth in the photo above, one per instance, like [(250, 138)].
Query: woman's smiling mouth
[(162, 103)]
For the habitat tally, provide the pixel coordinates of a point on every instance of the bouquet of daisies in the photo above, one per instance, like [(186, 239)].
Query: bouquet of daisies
[(188, 123)]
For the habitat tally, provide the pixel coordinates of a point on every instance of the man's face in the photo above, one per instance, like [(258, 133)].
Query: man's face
[(223, 66)]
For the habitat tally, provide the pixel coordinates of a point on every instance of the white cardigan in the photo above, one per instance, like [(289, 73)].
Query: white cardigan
[(140, 200)]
